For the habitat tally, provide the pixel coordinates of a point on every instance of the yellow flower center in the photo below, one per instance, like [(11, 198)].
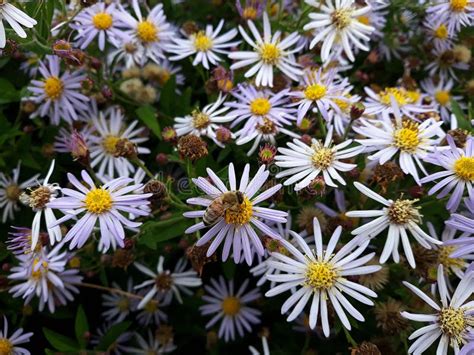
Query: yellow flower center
[(239, 214), (202, 42), (448, 262), (341, 18), (249, 13), (124, 304), (260, 106), (322, 157), (406, 138), (6, 347), (402, 212), (37, 271), (163, 76), (342, 104), (13, 192), (147, 32), (458, 5), (110, 143), (441, 32), (164, 281), (453, 323), (53, 87), (401, 96), (102, 21), (442, 97), (464, 168), (364, 20), (269, 53), (315, 92), (231, 306), (40, 197), (200, 119), (320, 275), (98, 201), (151, 307)]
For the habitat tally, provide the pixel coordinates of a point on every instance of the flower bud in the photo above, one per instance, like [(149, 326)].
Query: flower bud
[(223, 135), (357, 110), (169, 135), (192, 147), (266, 154)]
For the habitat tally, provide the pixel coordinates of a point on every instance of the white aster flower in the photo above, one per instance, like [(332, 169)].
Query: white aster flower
[(205, 45), (38, 199), (9, 344), (152, 312), (441, 96), (444, 64), (167, 283), (45, 276), (321, 275), (399, 216), (205, 122), (118, 306), (452, 320), (110, 127), (337, 23), (438, 35), (11, 190), (455, 13), (391, 99), (128, 52), (319, 91), (230, 307), (152, 346), (98, 20), (104, 205), (58, 95), (253, 107), (413, 141), (235, 226), (15, 18), (268, 52), (153, 33), (304, 163), (458, 174)]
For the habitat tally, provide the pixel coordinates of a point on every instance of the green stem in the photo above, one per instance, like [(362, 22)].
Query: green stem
[(349, 338), (140, 164)]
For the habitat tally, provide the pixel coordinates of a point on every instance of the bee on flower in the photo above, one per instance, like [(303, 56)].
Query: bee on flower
[(235, 213)]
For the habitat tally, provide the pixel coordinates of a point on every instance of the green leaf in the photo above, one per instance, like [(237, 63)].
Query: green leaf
[(81, 326), (147, 114), (154, 232), (8, 92), (229, 269), (168, 97), (59, 341), (112, 334), (463, 122)]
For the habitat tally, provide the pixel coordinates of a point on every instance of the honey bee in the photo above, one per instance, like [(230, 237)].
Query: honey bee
[(217, 208)]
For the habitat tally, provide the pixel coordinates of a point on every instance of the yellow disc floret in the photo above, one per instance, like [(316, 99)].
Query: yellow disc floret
[(6, 347), (98, 201), (322, 157), (320, 275), (269, 53), (109, 143), (230, 306), (448, 262), (260, 106), (441, 32), (239, 214), (200, 119), (442, 97), (407, 137), (464, 168), (458, 5), (102, 21), (202, 42), (453, 322), (53, 87), (147, 32), (315, 92), (341, 18), (402, 211)]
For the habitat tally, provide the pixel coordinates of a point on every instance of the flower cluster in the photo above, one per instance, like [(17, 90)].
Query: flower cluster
[(237, 176)]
